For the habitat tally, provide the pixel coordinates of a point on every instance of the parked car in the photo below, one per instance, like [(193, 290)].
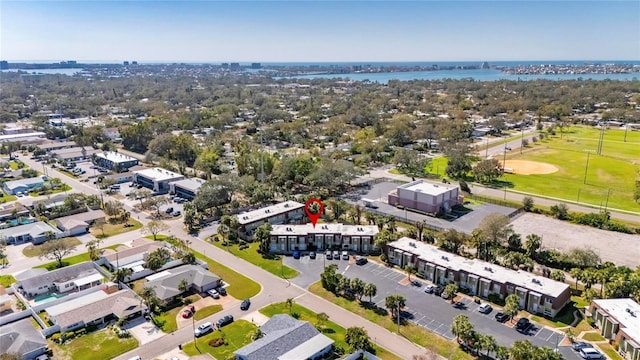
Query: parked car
[(327, 254), (214, 293), (590, 353), (190, 310), (336, 255), (203, 329), (579, 345), (438, 290), (361, 260), (19, 194), (312, 255), (485, 308), (176, 213), (501, 317), (345, 255), (429, 289), (169, 210), (416, 283), (132, 184), (225, 321), (459, 305), (245, 304), (523, 325), (222, 291), (296, 254)]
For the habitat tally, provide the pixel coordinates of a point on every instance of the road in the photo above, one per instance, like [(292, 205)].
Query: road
[(515, 144)]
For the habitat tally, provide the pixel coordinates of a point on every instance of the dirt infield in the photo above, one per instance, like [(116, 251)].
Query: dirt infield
[(526, 167)]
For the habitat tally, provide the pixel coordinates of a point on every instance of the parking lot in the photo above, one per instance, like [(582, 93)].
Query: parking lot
[(426, 310)]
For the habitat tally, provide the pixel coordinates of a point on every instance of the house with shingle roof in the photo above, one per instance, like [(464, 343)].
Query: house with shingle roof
[(285, 338), (71, 278), (166, 283), (22, 338)]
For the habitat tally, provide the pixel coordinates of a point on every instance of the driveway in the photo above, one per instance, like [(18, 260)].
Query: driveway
[(426, 310), (143, 330)]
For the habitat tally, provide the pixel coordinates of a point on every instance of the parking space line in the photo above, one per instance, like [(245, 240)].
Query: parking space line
[(552, 335), (539, 331)]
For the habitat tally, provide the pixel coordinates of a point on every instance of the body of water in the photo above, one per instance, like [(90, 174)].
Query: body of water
[(46, 71)]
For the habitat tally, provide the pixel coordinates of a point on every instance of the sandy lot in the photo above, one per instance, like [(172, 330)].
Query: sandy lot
[(526, 167), (619, 248)]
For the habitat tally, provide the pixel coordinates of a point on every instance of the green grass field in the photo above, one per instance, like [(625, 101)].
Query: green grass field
[(610, 179), (251, 254), (7, 280), (207, 311), (72, 260), (236, 335), (103, 344)]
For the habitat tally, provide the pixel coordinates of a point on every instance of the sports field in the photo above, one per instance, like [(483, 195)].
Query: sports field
[(610, 177)]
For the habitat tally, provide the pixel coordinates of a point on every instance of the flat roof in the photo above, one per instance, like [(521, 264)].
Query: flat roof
[(427, 187), (38, 134), (626, 312), (115, 157), (481, 268), (158, 174), (192, 184), (325, 228), (268, 212)]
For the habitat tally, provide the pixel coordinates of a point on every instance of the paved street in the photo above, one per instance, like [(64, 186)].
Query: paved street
[(426, 310)]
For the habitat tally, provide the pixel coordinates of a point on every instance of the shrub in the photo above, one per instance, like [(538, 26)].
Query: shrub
[(187, 301), (57, 338), (496, 299), (465, 187), (216, 342)]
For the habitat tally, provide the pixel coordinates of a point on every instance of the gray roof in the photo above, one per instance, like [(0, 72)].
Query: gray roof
[(30, 273), (282, 333), (56, 145), (21, 337), (191, 184), (35, 229), (66, 273), (87, 216), (129, 255), (166, 283), (28, 181)]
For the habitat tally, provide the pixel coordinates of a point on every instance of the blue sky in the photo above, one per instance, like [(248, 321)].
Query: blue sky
[(296, 31)]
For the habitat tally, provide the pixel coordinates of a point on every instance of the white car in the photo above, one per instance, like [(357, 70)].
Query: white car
[(214, 294), (485, 308), (345, 255), (203, 329), (591, 353), (429, 288)]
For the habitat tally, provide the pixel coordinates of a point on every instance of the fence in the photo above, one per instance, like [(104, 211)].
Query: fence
[(506, 203)]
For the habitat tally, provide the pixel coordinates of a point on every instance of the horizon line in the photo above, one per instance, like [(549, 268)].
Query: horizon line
[(93, 61)]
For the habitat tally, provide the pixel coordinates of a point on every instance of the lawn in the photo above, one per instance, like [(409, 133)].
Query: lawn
[(114, 229), (62, 188), (102, 344), (236, 335), (166, 321), (7, 280), (413, 333), (610, 178), (34, 250), (14, 165), (332, 330), (593, 336), (72, 260), (6, 197), (252, 255), (207, 311), (240, 286), (610, 351)]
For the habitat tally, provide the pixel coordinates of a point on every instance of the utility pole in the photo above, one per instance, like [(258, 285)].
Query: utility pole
[(486, 150), (586, 169), (261, 159)]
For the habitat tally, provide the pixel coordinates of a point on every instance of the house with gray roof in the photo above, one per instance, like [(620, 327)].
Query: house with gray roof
[(71, 278), (22, 338), (285, 338), (37, 232), (166, 283), (79, 223), (23, 185)]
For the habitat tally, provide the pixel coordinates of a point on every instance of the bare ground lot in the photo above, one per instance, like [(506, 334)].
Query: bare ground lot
[(619, 248)]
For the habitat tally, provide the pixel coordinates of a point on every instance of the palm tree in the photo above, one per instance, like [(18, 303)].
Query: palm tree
[(125, 216), (502, 353), (420, 228), (488, 343), (148, 294), (121, 274), (521, 350), (410, 269), (390, 222), (358, 211), (461, 327), (370, 290), (289, 303), (532, 245), (576, 273)]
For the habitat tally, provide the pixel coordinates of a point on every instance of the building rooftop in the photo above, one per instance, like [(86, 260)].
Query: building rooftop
[(166, 283), (191, 184), (427, 187), (10, 137), (56, 145), (130, 255), (115, 157), (269, 211), (481, 268), (34, 229), (21, 337), (325, 228), (158, 174), (27, 181), (71, 272), (626, 312)]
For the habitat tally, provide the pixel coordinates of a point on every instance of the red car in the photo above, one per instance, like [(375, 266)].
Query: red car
[(188, 312)]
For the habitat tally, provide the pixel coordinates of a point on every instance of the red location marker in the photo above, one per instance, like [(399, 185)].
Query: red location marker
[(313, 211)]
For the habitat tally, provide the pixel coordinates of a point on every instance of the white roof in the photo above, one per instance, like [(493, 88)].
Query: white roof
[(325, 228), (115, 157), (307, 349), (38, 134), (483, 269), (158, 174), (268, 212), (617, 309), (76, 303), (192, 184), (427, 187)]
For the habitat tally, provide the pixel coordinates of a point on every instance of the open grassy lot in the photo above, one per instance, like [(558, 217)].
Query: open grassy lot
[(72, 260), (34, 250), (330, 329), (7, 280), (413, 333), (593, 336), (6, 197), (610, 178), (240, 286), (236, 335), (166, 321), (207, 311), (103, 344), (115, 228), (252, 255)]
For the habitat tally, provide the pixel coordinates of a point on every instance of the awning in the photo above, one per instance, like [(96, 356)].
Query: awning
[(88, 279), (535, 294)]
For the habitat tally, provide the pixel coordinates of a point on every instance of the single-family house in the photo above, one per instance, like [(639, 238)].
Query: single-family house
[(23, 185), (286, 338), (78, 224), (112, 133), (537, 294), (288, 212), (12, 210), (56, 145), (132, 258), (22, 338), (619, 321), (36, 232), (71, 278), (288, 238), (97, 308), (166, 283)]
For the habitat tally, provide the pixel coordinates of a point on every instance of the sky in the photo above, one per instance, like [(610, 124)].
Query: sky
[(318, 31)]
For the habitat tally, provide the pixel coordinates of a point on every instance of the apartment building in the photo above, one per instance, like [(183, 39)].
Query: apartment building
[(619, 320), (538, 295), (288, 212), (288, 238)]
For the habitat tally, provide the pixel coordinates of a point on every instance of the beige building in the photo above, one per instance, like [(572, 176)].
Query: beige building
[(619, 320), (288, 238)]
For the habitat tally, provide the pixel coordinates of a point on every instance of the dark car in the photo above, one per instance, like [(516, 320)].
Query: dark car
[(169, 210), (312, 255), (438, 290), (416, 283), (176, 213), (245, 304), (501, 317), (296, 254), (577, 346), (361, 260), (523, 325), (225, 321), (222, 291)]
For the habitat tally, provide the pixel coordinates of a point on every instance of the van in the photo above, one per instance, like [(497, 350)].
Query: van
[(369, 203)]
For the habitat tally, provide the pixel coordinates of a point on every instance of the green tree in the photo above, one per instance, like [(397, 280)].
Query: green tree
[(263, 236), (321, 319), (289, 303), (183, 285), (157, 259), (370, 290), (495, 228), (486, 171), (511, 305), (521, 350), (357, 339), (395, 303), (357, 287), (532, 245), (121, 274), (149, 296), (411, 270), (154, 228), (527, 203), (558, 275), (56, 250), (450, 291), (560, 211), (461, 327), (502, 353)]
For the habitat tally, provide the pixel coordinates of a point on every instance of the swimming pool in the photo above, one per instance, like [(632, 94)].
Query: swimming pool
[(47, 297)]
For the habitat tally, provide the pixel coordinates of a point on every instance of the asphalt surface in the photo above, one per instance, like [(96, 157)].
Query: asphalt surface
[(426, 310)]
